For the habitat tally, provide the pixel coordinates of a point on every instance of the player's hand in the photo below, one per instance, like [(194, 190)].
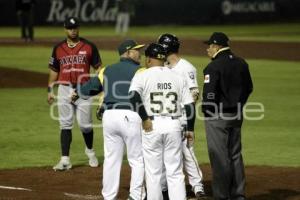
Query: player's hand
[(50, 98), (195, 94), (74, 97), (147, 125), (190, 138), (99, 112)]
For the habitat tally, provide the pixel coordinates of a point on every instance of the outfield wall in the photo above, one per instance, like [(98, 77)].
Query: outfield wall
[(148, 12)]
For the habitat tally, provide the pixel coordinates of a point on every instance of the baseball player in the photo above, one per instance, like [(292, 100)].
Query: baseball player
[(121, 126), (157, 94), (186, 70), (70, 65)]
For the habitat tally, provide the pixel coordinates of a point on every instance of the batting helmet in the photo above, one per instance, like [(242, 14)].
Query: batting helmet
[(155, 51), (169, 42)]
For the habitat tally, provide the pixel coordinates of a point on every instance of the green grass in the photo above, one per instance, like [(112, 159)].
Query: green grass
[(36, 58), (288, 32), (28, 136)]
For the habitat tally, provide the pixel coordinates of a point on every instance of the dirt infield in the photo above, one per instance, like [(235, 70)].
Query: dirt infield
[(263, 183), (15, 78), (190, 46)]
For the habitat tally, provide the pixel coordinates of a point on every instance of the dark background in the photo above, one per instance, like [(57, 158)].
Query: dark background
[(184, 12)]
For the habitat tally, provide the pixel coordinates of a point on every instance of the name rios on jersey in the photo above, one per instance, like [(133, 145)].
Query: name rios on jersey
[(164, 86), (73, 60)]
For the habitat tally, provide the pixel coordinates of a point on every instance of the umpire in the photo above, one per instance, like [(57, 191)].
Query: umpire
[(25, 13), (227, 86)]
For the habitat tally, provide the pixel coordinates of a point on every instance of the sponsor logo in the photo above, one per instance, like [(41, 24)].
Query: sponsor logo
[(73, 70), (262, 6), (192, 75), (82, 52), (206, 78), (86, 11), (73, 60)]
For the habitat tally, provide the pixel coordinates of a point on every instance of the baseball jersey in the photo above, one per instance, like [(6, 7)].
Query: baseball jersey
[(162, 91), (188, 71), (73, 64)]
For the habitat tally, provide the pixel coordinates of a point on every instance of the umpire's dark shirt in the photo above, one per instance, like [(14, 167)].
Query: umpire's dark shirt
[(227, 84)]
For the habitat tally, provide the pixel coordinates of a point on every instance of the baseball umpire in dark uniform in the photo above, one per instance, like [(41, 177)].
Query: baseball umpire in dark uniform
[(25, 12), (227, 86)]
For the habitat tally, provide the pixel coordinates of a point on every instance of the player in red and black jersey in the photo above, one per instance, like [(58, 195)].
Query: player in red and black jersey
[(69, 66)]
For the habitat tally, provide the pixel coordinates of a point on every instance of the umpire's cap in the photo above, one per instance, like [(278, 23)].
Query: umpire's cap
[(71, 22), (128, 45), (156, 51), (218, 38)]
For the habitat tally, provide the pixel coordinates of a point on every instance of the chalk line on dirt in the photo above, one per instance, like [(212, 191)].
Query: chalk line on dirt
[(78, 196), (14, 188)]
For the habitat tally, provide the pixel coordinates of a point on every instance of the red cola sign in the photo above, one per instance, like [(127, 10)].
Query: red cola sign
[(85, 10)]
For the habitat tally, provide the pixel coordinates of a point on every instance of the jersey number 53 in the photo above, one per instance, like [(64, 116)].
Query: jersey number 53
[(160, 102)]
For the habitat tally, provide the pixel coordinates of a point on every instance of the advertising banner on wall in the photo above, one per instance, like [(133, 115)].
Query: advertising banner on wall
[(189, 12)]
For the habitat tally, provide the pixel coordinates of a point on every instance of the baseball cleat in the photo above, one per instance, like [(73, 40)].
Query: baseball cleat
[(200, 195), (93, 161), (64, 164)]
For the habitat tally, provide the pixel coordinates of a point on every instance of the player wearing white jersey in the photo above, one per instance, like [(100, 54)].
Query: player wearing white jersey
[(157, 94), (186, 70)]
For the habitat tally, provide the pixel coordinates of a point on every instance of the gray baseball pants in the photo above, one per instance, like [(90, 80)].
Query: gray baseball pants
[(224, 148)]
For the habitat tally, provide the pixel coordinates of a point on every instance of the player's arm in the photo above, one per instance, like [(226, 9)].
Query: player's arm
[(54, 68), (191, 116), (135, 90), (139, 107), (53, 76), (189, 106), (191, 77), (195, 93), (92, 87), (96, 61)]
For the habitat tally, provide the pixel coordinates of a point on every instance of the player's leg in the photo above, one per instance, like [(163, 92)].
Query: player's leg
[(22, 24), (118, 23), (66, 113), (133, 140), (174, 166), (84, 119), (113, 155), (164, 184), (126, 23), (30, 25), (152, 152), (192, 168)]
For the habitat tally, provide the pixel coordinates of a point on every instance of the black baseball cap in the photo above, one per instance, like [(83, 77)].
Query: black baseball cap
[(218, 38), (127, 45), (71, 22), (156, 51)]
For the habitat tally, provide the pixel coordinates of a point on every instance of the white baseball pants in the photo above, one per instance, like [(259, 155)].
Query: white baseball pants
[(122, 128), (161, 147)]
